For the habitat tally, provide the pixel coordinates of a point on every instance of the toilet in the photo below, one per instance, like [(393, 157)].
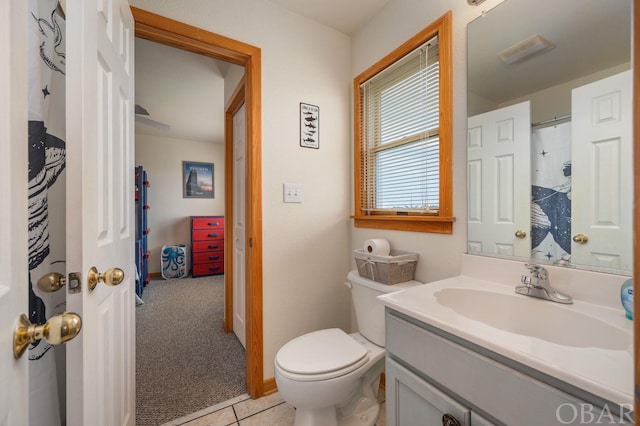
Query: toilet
[(332, 377)]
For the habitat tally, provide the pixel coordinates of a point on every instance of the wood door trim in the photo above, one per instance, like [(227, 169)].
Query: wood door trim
[(177, 34)]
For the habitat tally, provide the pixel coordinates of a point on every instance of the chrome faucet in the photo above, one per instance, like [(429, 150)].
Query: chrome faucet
[(537, 285)]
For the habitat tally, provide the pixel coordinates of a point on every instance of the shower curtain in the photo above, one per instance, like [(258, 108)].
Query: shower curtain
[(46, 204), (551, 194)]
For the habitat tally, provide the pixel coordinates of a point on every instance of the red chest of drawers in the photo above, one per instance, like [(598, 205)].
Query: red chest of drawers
[(207, 245)]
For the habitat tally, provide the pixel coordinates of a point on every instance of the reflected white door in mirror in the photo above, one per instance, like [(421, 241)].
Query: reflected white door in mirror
[(498, 175), (602, 172)]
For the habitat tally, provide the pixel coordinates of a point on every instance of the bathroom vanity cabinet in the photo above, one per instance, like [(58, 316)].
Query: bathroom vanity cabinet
[(434, 377)]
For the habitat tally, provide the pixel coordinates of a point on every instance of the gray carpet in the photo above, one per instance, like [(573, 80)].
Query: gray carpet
[(184, 360)]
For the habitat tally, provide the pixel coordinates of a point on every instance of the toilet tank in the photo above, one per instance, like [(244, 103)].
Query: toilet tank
[(369, 310)]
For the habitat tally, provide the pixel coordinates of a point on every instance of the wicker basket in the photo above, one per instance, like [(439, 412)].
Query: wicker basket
[(398, 267)]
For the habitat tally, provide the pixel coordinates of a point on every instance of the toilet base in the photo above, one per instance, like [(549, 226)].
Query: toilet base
[(317, 417), (368, 417), (362, 409), (328, 417)]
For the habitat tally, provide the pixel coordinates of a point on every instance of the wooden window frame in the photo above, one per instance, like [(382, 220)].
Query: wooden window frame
[(442, 222)]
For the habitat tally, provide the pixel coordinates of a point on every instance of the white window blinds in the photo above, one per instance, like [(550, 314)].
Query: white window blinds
[(400, 143)]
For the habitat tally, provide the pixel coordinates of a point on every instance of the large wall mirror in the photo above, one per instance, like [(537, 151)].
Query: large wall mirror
[(549, 166)]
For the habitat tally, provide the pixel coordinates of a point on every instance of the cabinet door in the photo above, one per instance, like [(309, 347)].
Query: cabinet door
[(478, 420), (412, 401)]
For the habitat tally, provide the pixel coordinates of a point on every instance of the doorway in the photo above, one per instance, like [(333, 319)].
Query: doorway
[(166, 31)]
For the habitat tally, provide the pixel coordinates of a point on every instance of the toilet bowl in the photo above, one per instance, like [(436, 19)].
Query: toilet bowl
[(332, 377)]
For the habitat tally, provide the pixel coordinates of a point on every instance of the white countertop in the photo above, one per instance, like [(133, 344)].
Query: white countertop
[(605, 371)]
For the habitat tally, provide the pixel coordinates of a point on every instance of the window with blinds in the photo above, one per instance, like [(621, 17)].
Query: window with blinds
[(403, 136), (400, 144)]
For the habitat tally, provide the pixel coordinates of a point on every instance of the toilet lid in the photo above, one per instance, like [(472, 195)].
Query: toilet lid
[(321, 352)]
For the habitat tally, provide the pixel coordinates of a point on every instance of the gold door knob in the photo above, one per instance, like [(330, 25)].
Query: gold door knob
[(51, 282), (113, 276), (520, 233), (58, 329), (580, 239)]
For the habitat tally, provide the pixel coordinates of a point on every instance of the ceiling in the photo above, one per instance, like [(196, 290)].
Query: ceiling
[(347, 16), (184, 90), (180, 89), (590, 35)]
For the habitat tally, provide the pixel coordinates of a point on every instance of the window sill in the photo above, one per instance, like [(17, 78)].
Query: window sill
[(437, 224)]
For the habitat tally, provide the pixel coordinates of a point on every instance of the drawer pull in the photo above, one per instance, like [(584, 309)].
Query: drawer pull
[(214, 246), (214, 257), (213, 223), (214, 268), (449, 420), (212, 235)]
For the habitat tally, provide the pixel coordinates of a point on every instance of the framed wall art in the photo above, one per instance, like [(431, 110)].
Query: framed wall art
[(309, 126), (197, 180)]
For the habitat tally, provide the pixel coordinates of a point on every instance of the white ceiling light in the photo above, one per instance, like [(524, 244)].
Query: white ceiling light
[(525, 49)]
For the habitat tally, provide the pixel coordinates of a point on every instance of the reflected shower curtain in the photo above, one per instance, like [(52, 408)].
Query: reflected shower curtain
[(551, 194), (46, 205)]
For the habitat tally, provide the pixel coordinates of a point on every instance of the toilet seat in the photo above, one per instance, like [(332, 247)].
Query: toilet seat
[(321, 355)]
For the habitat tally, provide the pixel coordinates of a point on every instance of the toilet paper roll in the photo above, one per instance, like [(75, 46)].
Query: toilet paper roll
[(377, 246)]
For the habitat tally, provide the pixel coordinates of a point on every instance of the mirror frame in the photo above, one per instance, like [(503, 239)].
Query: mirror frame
[(636, 202)]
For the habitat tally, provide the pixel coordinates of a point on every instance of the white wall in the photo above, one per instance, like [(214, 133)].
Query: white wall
[(398, 21), (306, 249), (169, 213), (231, 80)]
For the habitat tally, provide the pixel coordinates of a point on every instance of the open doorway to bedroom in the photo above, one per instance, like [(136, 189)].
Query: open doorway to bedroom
[(236, 69)]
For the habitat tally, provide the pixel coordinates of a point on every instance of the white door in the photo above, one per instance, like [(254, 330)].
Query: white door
[(100, 212), (239, 182), (14, 281), (602, 172), (499, 181)]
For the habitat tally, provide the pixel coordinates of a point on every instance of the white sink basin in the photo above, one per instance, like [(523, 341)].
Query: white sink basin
[(526, 316), (586, 345)]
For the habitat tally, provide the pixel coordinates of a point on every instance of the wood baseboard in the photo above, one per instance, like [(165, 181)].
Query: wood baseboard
[(270, 386)]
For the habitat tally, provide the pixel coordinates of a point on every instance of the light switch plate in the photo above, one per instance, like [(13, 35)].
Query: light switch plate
[(292, 192)]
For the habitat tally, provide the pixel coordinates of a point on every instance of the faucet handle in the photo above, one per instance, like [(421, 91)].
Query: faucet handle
[(537, 270)]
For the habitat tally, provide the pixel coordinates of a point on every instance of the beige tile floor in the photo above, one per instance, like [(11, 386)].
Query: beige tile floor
[(269, 410)]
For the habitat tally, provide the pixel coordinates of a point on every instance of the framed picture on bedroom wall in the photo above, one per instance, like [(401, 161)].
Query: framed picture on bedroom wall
[(309, 126), (197, 180)]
